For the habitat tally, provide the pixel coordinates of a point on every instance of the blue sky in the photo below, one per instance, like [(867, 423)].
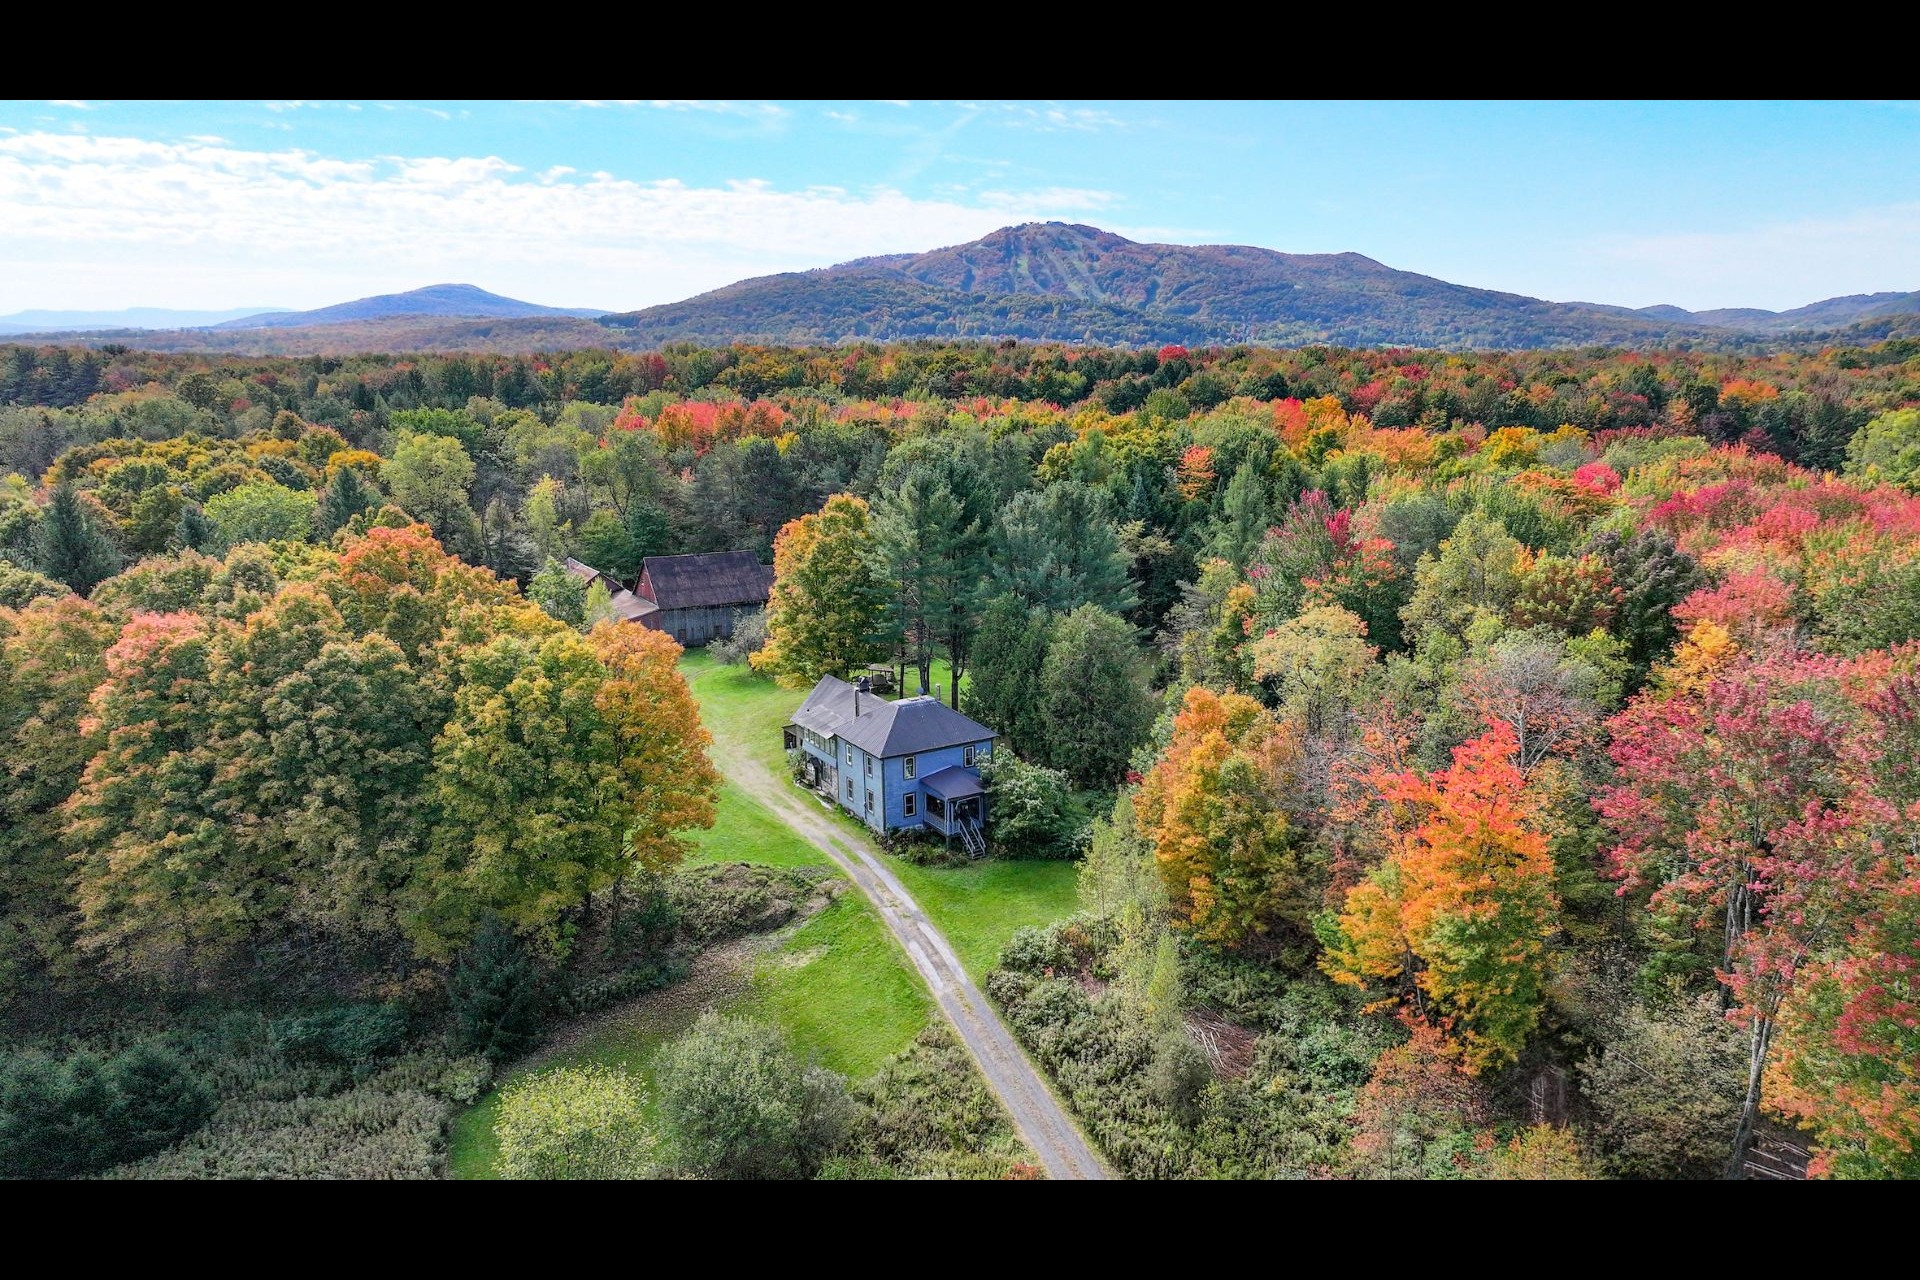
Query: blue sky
[(626, 204)]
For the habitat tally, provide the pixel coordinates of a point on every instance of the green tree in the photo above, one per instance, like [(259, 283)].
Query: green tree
[(606, 545), (1887, 450), (1060, 549), (576, 1123), (347, 496), (1479, 569), (496, 995), (1244, 517), (1005, 692), (933, 558), (260, 512), (1035, 814), (1094, 704), (430, 476), (736, 1103), (828, 609), (69, 545), (550, 531), (561, 594)]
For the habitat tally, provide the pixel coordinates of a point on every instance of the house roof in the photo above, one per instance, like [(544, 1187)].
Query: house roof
[(709, 580), (955, 782), (886, 729)]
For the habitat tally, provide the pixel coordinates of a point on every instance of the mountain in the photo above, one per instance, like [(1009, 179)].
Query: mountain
[(1830, 313), (1065, 281), (131, 318), (452, 300)]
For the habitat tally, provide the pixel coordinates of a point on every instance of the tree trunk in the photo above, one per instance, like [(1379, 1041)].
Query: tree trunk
[(1759, 1040), (613, 912)]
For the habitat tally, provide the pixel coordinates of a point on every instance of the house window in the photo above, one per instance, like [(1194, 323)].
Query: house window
[(869, 802), (966, 757), (869, 766), (849, 757), (936, 806), (849, 788), (906, 802), (910, 762)]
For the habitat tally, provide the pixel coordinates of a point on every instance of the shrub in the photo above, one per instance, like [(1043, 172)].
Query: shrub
[(60, 1118), (353, 1034), (577, 1122), (1034, 814), (736, 1103), (749, 637)]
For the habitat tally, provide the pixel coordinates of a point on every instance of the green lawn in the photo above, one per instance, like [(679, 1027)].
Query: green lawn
[(744, 831), (979, 906)]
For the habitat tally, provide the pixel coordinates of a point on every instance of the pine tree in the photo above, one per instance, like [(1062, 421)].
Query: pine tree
[(1243, 518), (496, 995), (344, 499), (71, 549), (1006, 685)]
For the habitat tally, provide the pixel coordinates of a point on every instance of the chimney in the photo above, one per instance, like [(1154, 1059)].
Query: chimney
[(860, 686)]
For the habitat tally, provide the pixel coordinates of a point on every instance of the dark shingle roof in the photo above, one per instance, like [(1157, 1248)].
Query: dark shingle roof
[(955, 782), (707, 581), (886, 729), (627, 606)]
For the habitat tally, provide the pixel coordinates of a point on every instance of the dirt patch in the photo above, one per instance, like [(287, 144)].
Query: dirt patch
[(800, 959), (1228, 1045), (1093, 986)]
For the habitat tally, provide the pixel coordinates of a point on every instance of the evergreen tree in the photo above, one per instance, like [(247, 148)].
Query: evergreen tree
[(933, 559), (1059, 548), (496, 995), (344, 499), (71, 548), (1094, 704), (1006, 685), (1244, 516)]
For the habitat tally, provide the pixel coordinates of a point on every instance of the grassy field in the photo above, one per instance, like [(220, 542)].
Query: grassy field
[(839, 987)]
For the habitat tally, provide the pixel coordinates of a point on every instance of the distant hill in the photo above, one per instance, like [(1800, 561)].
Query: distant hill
[(1042, 281), (130, 318), (511, 336), (462, 300), (1067, 281)]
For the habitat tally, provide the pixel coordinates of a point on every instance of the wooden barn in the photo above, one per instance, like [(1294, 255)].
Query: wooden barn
[(694, 597)]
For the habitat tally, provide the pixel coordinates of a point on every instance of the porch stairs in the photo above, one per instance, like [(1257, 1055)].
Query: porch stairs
[(970, 838)]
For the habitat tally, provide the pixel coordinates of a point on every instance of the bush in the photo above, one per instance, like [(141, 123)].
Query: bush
[(355, 1034), (60, 1118), (577, 1122), (736, 1103), (1034, 812), (928, 1114), (497, 996), (749, 637)]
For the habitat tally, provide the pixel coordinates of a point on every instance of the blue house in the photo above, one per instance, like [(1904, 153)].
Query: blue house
[(906, 765)]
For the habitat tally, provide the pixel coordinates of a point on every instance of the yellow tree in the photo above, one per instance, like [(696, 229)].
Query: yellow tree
[(828, 609), (1462, 906), (1211, 807)]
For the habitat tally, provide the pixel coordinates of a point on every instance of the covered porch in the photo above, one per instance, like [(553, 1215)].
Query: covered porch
[(956, 806)]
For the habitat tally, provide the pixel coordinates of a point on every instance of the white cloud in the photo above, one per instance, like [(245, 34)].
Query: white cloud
[(1776, 265), (289, 105), (844, 117), (103, 221), (207, 139), (1053, 118), (712, 106), (73, 103), (1051, 197)]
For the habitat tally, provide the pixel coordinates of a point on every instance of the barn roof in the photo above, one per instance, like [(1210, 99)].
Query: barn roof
[(886, 729), (708, 580), (627, 606)]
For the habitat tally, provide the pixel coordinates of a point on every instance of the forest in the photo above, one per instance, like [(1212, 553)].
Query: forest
[(1487, 765)]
